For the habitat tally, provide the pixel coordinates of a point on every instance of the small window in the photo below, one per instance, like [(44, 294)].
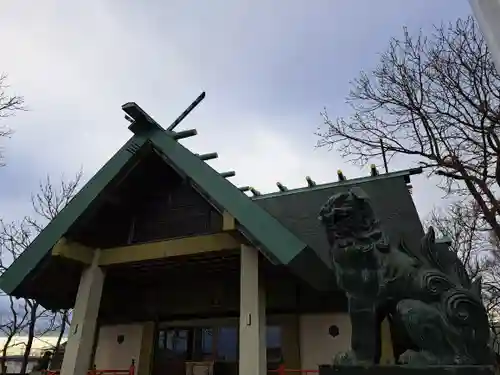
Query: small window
[(177, 341), (273, 344), (207, 340), (273, 336), (161, 340), (227, 344)]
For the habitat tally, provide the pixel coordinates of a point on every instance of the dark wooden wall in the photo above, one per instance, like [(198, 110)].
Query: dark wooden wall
[(152, 202), (179, 211), (191, 292)]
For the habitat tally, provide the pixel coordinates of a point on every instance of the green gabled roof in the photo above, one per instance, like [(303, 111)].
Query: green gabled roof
[(390, 197), (43, 243), (277, 242)]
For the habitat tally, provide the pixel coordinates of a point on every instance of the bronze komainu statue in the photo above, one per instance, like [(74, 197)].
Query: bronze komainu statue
[(435, 310)]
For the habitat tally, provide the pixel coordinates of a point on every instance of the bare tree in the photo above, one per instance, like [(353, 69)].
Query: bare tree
[(27, 316), (462, 222), (9, 105), (65, 322), (12, 239), (58, 347), (51, 199), (12, 323), (33, 320), (435, 99)]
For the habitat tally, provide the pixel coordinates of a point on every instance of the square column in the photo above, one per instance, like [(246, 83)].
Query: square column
[(83, 324), (252, 339), (487, 13)]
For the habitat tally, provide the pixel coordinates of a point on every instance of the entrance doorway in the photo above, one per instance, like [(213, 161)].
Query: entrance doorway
[(208, 342)]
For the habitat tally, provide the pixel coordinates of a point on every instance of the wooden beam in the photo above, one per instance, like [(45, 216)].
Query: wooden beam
[(210, 156), (73, 250), (310, 182), (186, 112), (228, 221), (185, 134), (281, 187), (228, 174), (169, 248)]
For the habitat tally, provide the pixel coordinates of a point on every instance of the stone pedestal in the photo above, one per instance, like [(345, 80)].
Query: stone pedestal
[(406, 370)]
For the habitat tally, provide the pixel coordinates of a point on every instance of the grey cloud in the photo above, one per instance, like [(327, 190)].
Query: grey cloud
[(268, 69)]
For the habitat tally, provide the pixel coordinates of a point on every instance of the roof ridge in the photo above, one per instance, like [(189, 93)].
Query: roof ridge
[(402, 173)]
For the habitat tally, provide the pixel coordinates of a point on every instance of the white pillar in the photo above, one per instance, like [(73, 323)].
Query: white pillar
[(487, 13), (252, 342), (83, 323)]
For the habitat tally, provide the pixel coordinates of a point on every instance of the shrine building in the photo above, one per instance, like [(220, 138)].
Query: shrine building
[(167, 263)]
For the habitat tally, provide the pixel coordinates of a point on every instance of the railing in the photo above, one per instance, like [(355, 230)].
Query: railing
[(95, 371), (281, 370)]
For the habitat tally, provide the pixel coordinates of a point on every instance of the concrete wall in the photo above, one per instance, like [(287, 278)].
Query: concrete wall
[(112, 355), (317, 347)]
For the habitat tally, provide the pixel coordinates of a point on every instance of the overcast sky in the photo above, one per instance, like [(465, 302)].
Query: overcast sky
[(268, 67)]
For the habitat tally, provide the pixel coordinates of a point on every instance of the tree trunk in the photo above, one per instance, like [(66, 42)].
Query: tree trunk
[(57, 347), (3, 360), (31, 336)]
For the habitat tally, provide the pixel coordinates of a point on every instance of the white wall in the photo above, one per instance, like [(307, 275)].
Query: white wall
[(112, 355), (317, 347)]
